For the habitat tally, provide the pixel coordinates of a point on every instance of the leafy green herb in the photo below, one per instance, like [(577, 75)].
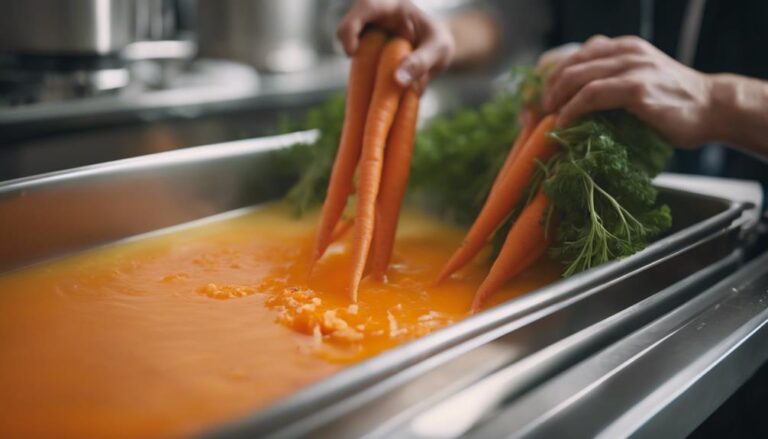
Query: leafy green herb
[(602, 190), (312, 163), (456, 157)]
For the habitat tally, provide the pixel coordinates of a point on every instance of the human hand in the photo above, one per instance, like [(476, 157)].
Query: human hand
[(555, 56), (629, 73), (433, 42)]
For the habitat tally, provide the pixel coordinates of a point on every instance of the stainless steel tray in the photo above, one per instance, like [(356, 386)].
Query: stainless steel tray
[(529, 339)]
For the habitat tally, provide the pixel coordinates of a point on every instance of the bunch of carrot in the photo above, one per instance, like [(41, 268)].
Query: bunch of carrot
[(377, 141), (528, 238)]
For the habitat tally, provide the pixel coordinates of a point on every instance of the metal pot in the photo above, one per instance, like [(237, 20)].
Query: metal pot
[(83, 27), (275, 36)]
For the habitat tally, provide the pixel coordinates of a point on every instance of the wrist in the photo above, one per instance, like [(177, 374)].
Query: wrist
[(721, 104), (737, 110)]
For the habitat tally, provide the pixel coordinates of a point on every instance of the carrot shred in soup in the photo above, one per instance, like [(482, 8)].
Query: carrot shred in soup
[(172, 334)]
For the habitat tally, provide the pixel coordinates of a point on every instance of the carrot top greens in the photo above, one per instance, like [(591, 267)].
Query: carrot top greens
[(311, 164), (599, 183), (457, 156)]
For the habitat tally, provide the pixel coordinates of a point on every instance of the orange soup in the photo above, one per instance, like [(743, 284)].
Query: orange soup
[(172, 334)]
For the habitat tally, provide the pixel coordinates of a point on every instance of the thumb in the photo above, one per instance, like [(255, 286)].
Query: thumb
[(410, 69), (431, 56)]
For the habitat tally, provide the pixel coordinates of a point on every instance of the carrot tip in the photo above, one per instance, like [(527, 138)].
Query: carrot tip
[(379, 277), (477, 301), (446, 273)]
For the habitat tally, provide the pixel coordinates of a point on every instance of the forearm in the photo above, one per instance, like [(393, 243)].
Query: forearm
[(739, 112)]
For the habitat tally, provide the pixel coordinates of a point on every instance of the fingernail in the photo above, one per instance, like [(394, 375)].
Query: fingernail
[(403, 77)]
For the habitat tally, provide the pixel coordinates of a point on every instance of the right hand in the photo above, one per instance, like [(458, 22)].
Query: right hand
[(433, 43), (629, 73)]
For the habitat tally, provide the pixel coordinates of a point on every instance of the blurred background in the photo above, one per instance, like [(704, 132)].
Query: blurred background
[(87, 81)]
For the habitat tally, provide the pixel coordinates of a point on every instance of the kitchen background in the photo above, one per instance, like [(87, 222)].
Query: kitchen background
[(89, 81), (86, 81)]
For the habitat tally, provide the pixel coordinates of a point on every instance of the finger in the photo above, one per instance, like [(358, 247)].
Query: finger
[(576, 76), (420, 85), (602, 94), (553, 57), (591, 47), (632, 43), (431, 57), (348, 33), (362, 13), (395, 20), (597, 47), (407, 30)]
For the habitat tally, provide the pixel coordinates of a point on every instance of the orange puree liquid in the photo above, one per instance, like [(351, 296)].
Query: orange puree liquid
[(171, 334)]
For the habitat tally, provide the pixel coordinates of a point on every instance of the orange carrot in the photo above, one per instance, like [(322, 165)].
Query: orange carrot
[(362, 76), (526, 241), (342, 228), (394, 180), (508, 192), (528, 121), (381, 114)]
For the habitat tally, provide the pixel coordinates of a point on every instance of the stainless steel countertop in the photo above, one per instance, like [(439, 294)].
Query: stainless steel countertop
[(661, 381)]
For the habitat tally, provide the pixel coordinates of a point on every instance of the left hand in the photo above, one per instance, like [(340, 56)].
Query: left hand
[(630, 73), (432, 40)]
